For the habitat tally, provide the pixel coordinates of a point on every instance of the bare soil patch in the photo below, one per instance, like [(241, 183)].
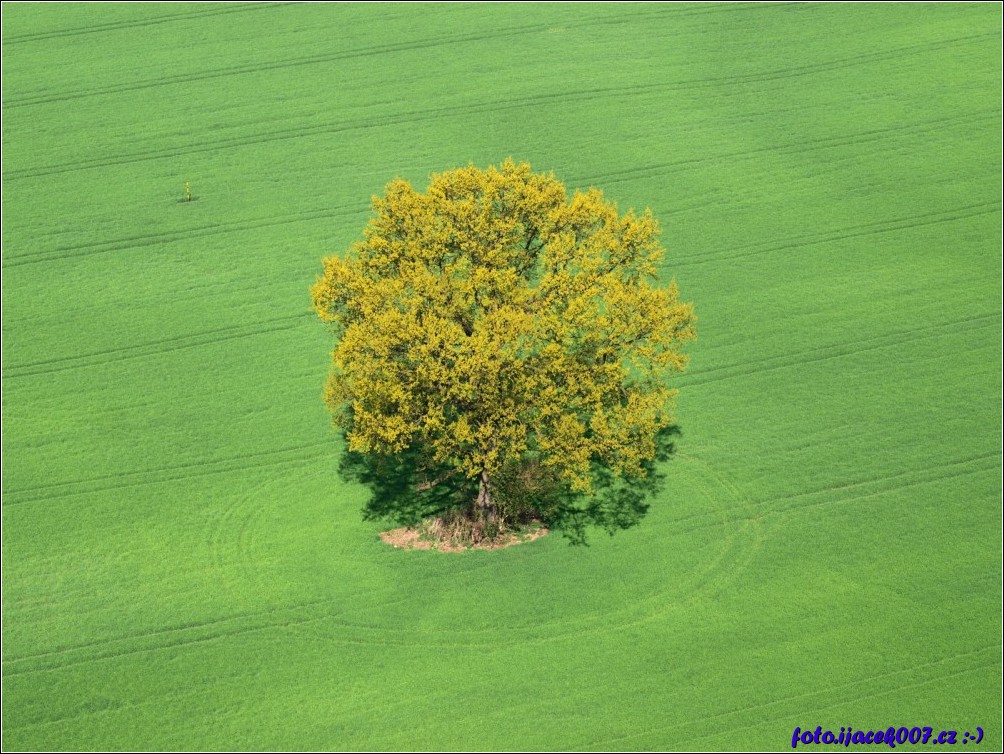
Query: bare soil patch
[(433, 535)]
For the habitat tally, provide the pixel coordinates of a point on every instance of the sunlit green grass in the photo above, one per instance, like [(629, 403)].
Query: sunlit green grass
[(184, 569)]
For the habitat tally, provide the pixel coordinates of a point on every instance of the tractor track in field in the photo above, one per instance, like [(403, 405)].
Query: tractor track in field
[(988, 462), (64, 253), (812, 710), (154, 347), (852, 231), (73, 251), (220, 517), (796, 147), (732, 555), (166, 638), (162, 474), (898, 337), (81, 251), (180, 636), (150, 21), (38, 98), (130, 353), (48, 97), (834, 351), (929, 474), (599, 745), (331, 127), (739, 514), (117, 706), (416, 116), (230, 534), (241, 7), (145, 482)]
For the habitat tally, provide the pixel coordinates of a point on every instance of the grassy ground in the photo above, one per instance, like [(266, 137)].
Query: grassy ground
[(182, 567)]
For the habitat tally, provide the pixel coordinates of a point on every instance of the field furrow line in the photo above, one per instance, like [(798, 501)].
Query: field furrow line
[(63, 494), (120, 706), (603, 744), (153, 351), (812, 713), (897, 337), (153, 344), (183, 234), (979, 458), (59, 651), (237, 70), (812, 145), (847, 351), (154, 21), (237, 516), (97, 247), (480, 37), (180, 642), (39, 97), (818, 692), (149, 641), (852, 231), (927, 475), (331, 127), (932, 479), (891, 229), (987, 462), (853, 60), (170, 468), (734, 553), (419, 116), (892, 226)]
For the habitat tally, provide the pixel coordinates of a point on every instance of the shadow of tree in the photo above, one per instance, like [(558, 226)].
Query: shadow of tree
[(617, 502), (408, 487)]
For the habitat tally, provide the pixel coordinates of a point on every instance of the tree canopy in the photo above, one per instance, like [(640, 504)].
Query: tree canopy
[(494, 323)]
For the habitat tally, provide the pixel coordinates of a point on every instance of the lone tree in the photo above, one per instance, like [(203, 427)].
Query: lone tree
[(505, 335)]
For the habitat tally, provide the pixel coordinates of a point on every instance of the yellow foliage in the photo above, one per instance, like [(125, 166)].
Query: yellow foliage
[(494, 317)]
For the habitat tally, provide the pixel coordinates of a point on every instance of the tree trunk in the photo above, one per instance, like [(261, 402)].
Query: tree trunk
[(484, 508)]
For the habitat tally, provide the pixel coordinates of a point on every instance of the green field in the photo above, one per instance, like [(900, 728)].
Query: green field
[(183, 568)]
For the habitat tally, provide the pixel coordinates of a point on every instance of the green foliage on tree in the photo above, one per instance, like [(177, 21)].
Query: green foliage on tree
[(504, 341)]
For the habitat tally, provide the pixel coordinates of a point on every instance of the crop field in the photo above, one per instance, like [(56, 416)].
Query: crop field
[(183, 566)]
